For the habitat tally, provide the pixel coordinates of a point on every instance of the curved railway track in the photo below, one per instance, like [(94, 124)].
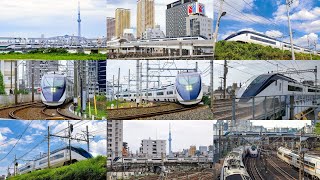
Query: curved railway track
[(34, 111), (158, 113)]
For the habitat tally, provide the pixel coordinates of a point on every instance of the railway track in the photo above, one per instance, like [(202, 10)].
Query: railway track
[(157, 113), (253, 170), (34, 111), (281, 173)]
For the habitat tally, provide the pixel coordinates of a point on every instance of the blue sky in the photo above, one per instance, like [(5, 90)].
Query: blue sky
[(11, 130), (35, 17)]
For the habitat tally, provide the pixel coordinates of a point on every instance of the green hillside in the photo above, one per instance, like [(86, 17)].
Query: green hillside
[(230, 50), (91, 169)]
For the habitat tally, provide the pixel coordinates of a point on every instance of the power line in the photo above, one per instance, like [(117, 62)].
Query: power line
[(17, 141)]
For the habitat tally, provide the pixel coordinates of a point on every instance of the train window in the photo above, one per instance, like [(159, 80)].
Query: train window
[(311, 90), (262, 40), (169, 92), (126, 95), (294, 88), (160, 93), (276, 83)]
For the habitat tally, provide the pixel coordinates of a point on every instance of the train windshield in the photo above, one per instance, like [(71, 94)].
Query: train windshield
[(188, 80), (53, 82), (238, 177)]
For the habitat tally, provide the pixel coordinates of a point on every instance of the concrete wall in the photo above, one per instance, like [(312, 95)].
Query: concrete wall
[(9, 100)]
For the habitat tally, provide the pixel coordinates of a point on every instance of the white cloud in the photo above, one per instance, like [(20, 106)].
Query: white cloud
[(274, 33), (5, 130), (303, 41), (98, 148), (313, 26)]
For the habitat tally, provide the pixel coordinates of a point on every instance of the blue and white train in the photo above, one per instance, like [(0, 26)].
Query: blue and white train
[(56, 89), (272, 84), (258, 38), (187, 90), (58, 157)]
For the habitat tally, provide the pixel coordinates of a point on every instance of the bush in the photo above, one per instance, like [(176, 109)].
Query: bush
[(91, 169)]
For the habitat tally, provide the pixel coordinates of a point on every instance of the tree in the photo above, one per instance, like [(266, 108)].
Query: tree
[(2, 88), (317, 129)]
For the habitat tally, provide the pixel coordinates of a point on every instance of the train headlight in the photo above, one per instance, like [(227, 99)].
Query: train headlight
[(189, 87), (53, 90)]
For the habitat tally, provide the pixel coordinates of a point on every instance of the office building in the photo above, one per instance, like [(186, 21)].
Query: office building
[(111, 28), (114, 138), (97, 74), (197, 23), (40, 68), (122, 21), (192, 151), (176, 15), (154, 33), (145, 16), (153, 148)]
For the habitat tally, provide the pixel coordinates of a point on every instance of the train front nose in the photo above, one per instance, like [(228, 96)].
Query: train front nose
[(189, 92), (52, 94)]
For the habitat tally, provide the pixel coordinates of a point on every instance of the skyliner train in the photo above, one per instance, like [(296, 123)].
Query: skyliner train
[(187, 90), (56, 89), (58, 157), (273, 84), (258, 38)]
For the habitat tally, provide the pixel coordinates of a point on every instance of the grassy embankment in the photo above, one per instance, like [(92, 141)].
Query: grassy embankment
[(230, 50), (51, 54), (91, 169)]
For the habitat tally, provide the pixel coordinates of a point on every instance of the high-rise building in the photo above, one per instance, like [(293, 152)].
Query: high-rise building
[(192, 151), (114, 138), (203, 150), (153, 148), (155, 33), (197, 23), (122, 21), (5, 69), (111, 28), (176, 15), (40, 68), (97, 73), (145, 16)]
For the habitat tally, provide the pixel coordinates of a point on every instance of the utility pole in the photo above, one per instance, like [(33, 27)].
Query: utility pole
[(309, 48), (118, 92), (32, 80), (48, 146), (147, 85), (129, 82), (88, 144), (75, 84), (137, 81), (113, 86), (288, 4), (69, 130), (214, 49), (15, 82), (140, 84), (11, 71), (225, 72)]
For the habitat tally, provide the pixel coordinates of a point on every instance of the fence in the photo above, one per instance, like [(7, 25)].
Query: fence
[(22, 98)]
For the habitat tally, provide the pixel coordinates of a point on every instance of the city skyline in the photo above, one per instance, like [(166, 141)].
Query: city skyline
[(186, 133), (266, 17)]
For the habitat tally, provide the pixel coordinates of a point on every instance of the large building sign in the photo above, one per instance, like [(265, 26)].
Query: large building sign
[(196, 8)]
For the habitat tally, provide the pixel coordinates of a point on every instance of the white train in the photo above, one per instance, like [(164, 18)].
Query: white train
[(233, 166), (257, 38), (59, 157), (311, 162), (159, 160), (56, 89), (187, 90), (252, 151), (272, 84)]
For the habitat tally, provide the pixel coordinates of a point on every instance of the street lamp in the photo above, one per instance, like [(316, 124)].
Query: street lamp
[(213, 51)]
